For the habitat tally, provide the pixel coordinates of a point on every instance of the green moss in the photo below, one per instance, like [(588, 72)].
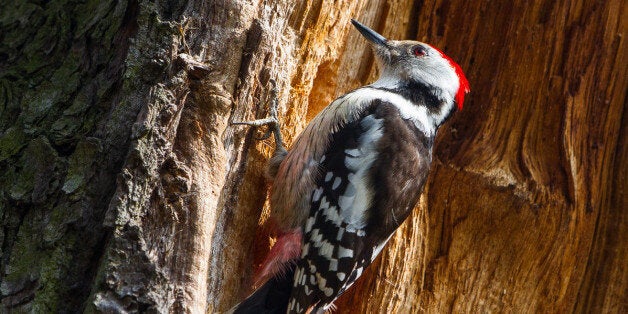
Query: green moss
[(23, 179), (80, 164), (31, 263), (59, 218), (38, 173), (23, 266), (53, 269), (11, 142), (37, 103)]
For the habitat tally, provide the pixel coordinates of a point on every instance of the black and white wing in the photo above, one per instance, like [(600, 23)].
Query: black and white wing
[(371, 177)]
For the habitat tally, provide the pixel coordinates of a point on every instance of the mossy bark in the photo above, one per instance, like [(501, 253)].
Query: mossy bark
[(123, 188), (64, 129)]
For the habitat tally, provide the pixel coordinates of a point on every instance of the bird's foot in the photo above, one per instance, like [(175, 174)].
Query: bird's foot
[(272, 122)]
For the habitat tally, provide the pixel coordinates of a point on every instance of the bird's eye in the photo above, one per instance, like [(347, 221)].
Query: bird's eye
[(419, 51)]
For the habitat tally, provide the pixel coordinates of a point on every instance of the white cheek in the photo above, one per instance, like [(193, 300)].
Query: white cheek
[(443, 77)]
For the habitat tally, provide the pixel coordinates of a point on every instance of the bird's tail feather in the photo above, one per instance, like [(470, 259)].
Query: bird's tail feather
[(271, 298)]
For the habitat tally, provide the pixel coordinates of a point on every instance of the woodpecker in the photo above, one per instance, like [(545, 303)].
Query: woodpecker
[(353, 176)]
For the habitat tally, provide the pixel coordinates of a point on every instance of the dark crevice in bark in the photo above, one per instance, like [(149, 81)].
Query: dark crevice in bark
[(413, 22)]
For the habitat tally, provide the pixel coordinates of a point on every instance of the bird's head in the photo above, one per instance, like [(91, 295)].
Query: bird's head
[(407, 61)]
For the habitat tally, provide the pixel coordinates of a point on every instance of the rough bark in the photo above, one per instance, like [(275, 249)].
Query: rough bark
[(124, 188), (64, 135)]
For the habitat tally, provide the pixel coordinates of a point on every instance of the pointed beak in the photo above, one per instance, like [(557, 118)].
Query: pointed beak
[(370, 34)]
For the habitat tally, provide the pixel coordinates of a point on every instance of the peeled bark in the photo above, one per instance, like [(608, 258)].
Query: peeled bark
[(125, 188)]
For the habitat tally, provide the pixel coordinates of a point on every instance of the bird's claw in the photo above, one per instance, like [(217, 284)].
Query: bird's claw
[(272, 121)]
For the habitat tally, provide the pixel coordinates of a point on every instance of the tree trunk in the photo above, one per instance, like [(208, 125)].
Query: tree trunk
[(125, 189)]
